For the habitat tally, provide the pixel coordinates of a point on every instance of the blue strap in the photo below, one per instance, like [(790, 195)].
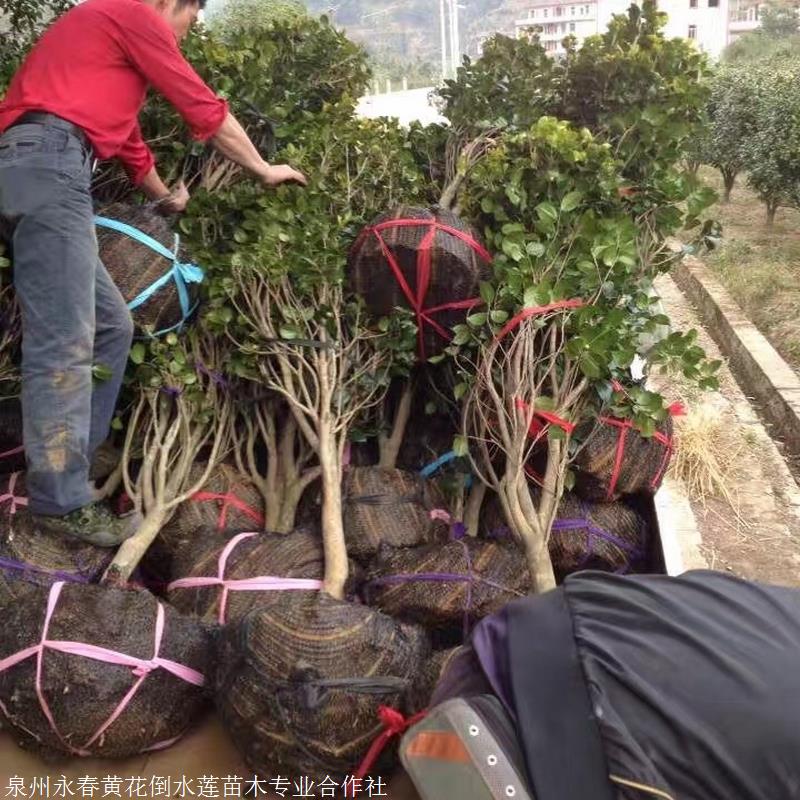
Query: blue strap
[(434, 466), (181, 273), (426, 472)]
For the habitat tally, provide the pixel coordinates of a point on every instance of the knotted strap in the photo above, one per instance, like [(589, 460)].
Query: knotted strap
[(14, 499), (180, 273), (256, 584), (423, 271), (228, 500)]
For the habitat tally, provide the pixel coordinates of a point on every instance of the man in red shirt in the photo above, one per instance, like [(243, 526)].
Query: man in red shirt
[(76, 98)]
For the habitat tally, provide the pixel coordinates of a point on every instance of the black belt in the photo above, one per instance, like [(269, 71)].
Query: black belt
[(43, 118)]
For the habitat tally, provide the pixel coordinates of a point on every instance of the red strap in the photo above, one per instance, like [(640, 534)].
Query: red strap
[(527, 313), (227, 501), (625, 425), (423, 272), (552, 419), (439, 226), (618, 460), (394, 724)]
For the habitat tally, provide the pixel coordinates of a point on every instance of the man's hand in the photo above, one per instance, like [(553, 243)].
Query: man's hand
[(276, 174), (175, 201)]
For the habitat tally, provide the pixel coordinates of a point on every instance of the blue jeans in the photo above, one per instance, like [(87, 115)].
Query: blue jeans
[(73, 316)]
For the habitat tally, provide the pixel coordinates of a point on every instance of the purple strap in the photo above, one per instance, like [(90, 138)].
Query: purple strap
[(58, 575), (446, 577), (594, 532)]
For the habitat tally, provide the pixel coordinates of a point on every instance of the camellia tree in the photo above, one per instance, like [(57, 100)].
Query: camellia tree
[(576, 208), (564, 314), (278, 290)]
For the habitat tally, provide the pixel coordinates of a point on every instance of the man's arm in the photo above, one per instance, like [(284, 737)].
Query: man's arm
[(233, 142), (140, 166), (154, 51)]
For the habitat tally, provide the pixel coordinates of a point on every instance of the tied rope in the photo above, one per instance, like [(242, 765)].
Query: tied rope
[(180, 272), (626, 425), (416, 299), (470, 577), (228, 500), (140, 667), (527, 313), (593, 534), (14, 500), (394, 724), (259, 583)]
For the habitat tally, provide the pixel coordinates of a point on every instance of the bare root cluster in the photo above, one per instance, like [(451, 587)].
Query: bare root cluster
[(168, 433), (326, 375)]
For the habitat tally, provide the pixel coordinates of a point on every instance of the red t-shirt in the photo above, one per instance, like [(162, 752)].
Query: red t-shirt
[(93, 66)]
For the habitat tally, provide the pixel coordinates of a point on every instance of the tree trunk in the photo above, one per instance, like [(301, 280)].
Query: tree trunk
[(541, 567), (524, 525), (288, 506), (333, 541), (132, 551), (390, 445), (729, 179), (472, 512), (771, 210)]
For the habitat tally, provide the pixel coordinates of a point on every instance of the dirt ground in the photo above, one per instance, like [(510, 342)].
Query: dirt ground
[(756, 533), (760, 266)]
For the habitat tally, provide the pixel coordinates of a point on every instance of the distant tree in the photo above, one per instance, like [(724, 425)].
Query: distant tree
[(772, 151), (779, 20)]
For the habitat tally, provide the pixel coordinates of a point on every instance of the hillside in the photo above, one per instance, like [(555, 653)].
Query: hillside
[(409, 29)]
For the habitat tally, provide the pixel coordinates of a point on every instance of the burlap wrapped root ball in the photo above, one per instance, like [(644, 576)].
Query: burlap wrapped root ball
[(30, 557), (612, 537), (135, 267), (616, 460), (432, 671), (248, 571), (82, 693), (299, 684), (428, 260), (451, 585), (389, 507), (227, 503)]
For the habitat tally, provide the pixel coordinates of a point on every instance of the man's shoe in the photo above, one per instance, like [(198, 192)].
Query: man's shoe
[(94, 523)]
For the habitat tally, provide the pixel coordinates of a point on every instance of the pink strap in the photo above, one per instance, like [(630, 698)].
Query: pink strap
[(141, 669), (16, 500), (13, 452), (255, 584)]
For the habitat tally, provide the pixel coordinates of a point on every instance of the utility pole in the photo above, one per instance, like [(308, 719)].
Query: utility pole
[(443, 23)]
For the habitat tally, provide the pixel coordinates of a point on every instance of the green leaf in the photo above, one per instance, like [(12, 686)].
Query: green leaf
[(535, 249), (571, 201), (547, 211), (459, 390), (487, 292), (171, 338), (498, 316), (100, 372), (476, 320), (138, 353)]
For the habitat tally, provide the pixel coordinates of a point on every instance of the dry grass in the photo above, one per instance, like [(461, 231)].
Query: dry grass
[(760, 266), (707, 451)]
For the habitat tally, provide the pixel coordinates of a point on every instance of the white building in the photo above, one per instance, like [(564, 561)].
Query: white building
[(711, 24)]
